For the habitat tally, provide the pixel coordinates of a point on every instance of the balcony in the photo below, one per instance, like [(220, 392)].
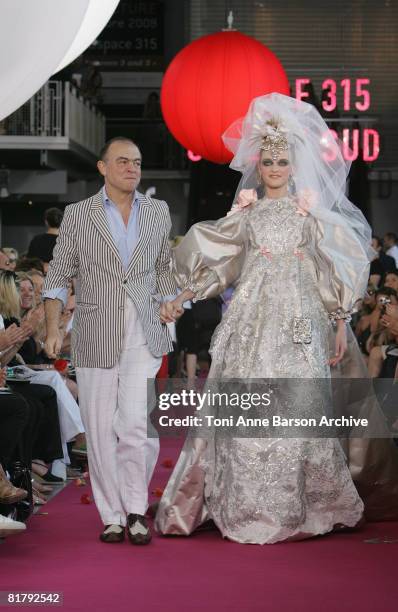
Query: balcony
[(56, 128)]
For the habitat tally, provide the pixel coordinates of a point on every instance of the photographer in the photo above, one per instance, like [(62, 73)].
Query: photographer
[(384, 337)]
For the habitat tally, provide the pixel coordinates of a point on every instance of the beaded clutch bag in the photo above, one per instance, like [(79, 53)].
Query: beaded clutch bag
[(302, 330)]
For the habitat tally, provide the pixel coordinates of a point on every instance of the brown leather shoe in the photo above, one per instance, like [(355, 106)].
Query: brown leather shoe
[(112, 534), (137, 529), (8, 493)]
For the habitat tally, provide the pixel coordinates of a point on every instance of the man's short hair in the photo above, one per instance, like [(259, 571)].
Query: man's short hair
[(53, 217), (105, 148), (391, 236)]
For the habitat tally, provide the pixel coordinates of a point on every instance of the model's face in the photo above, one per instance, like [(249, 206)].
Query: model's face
[(121, 167), (391, 281), (274, 173), (27, 294)]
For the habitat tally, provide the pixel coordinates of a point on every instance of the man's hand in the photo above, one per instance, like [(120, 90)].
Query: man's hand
[(171, 311), (341, 343), (53, 345)]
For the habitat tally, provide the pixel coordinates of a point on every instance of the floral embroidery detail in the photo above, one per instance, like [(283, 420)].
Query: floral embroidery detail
[(266, 252), (245, 198), (306, 198), (298, 254)]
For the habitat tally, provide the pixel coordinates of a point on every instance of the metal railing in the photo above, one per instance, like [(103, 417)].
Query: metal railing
[(158, 147), (57, 110)]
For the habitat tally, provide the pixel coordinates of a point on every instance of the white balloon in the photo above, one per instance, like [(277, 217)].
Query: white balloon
[(97, 16), (34, 37)]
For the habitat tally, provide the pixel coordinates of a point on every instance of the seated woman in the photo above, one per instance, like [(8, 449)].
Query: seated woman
[(69, 413), (41, 436), (14, 416)]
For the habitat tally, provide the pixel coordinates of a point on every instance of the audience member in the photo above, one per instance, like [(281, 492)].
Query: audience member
[(12, 257), (5, 263), (391, 246), (386, 261), (42, 245)]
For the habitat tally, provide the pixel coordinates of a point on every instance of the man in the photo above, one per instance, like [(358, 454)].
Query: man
[(381, 265), (116, 246), (392, 280), (42, 246), (391, 246)]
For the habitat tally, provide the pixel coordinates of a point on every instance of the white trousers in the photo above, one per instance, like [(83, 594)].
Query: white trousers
[(114, 406)]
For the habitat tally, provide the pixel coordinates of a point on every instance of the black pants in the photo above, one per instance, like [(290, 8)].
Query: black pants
[(42, 435), (14, 417)]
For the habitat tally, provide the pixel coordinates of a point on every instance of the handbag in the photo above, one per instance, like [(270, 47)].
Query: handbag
[(21, 478)]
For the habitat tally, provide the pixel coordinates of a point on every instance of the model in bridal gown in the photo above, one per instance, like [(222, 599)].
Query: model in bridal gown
[(269, 489)]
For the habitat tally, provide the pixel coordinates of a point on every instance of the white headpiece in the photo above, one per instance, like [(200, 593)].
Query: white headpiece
[(280, 122)]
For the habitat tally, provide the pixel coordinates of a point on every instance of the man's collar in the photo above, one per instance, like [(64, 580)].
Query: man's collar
[(106, 199)]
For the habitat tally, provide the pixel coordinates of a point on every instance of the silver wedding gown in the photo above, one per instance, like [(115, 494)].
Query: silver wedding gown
[(270, 489)]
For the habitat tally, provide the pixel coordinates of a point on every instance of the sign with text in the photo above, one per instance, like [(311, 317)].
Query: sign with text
[(133, 38), (358, 142)]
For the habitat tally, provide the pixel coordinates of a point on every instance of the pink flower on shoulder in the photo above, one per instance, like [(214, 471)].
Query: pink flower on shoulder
[(245, 198), (306, 198)]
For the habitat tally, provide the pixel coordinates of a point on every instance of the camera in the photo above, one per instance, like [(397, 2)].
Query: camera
[(384, 301)]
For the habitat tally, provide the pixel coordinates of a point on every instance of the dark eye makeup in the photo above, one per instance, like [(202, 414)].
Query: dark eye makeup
[(280, 162)]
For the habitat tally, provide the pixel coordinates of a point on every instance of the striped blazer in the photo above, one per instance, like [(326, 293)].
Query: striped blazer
[(85, 250)]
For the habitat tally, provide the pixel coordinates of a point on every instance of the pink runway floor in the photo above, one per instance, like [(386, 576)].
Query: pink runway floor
[(61, 552)]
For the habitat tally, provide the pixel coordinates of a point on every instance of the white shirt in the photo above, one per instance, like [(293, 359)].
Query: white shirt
[(393, 252)]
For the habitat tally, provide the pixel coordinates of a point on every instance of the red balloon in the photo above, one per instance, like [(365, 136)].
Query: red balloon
[(210, 84)]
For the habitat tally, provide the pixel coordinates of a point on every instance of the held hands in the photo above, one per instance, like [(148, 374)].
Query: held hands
[(340, 345), (171, 311)]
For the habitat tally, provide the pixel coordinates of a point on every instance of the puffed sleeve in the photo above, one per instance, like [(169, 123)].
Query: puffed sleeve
[(210, 257), (342, 266)]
